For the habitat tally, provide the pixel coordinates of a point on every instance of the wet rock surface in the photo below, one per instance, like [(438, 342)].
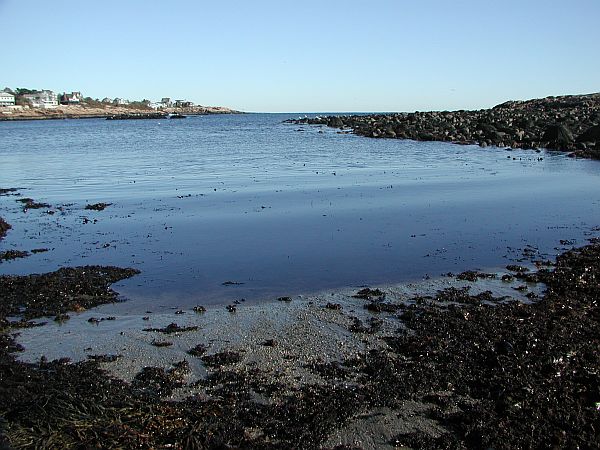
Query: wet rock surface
[(568, 123), (459, 370)]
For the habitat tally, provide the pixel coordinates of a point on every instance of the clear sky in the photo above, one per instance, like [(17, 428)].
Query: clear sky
[(288, 56)]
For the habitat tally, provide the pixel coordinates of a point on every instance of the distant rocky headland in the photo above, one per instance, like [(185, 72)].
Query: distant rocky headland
[(97, 111), (567, 123)]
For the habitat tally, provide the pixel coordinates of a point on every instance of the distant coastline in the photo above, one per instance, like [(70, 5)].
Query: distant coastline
[(104, 111)]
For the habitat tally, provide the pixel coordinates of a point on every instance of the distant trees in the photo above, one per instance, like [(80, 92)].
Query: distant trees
[(19, 93), (143, 104), (23, 91)]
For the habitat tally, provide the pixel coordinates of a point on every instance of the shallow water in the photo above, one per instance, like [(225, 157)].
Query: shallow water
[(248, 199)]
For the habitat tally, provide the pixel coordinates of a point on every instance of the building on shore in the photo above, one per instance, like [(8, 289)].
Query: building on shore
[(7, 99), (74, 98), (183, 104), (42, 99), (120, 101)]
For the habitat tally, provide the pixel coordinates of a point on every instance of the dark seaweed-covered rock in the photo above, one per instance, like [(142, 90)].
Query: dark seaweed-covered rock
[(161, 343), (333, 306), (374, 325), (198, 350), (13, 254), (67, 289), (222, 358), (158, 382), (368, 294), (592, 134), (172, 328), (29, 203), (4, 227), (558, 136), (382, 307), (97, 206), (473, 275)]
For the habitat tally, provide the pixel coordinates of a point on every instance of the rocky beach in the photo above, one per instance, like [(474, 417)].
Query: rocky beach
[(568, 123)]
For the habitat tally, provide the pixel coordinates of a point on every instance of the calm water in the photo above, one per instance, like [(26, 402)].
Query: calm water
[(245, 198)]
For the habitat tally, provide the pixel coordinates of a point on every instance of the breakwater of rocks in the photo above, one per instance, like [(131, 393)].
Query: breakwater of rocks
[(152, 115), (568, 123)]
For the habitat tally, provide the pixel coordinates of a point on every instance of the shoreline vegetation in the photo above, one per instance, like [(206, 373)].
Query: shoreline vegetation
[(459, 367), (566, 123), (104, 111)]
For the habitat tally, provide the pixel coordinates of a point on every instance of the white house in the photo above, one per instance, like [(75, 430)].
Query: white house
[(43, 99), (120, 101), (6, 99)]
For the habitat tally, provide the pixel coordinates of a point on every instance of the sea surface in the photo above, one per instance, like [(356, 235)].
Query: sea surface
[(217, 208)]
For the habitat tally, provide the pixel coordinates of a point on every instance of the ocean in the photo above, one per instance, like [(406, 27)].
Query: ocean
[(217, 208)]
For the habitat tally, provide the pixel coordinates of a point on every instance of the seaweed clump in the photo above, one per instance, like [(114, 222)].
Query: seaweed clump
[(54, 293), (493, 374), (4, 227)]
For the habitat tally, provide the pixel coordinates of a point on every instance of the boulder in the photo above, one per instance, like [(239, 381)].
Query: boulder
[(590, 135), (558, 134)]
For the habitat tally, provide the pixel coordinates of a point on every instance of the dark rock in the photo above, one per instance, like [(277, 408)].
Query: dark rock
[(198, 350), (172, 328), (334, 306), (222, 359), (231, 283), (524, 124), (558, 135), (161, 343), (97, 206), (592, 134), (13, 254), (368, 293), (4, 227)]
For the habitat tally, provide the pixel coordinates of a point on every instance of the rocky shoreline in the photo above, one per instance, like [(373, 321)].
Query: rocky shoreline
[(568, 123), (106, 111), (456, 366)]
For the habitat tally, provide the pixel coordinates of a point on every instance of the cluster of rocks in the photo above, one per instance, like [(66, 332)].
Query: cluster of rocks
[(137, 115), (567, 123)]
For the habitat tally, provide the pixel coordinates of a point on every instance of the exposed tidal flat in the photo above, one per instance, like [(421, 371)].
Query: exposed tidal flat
[(249, 323)]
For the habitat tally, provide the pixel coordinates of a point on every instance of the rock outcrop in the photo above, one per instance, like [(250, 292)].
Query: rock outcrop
[(568, 123)]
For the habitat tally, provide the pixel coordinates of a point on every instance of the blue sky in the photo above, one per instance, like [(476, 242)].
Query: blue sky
[(275, 56)]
